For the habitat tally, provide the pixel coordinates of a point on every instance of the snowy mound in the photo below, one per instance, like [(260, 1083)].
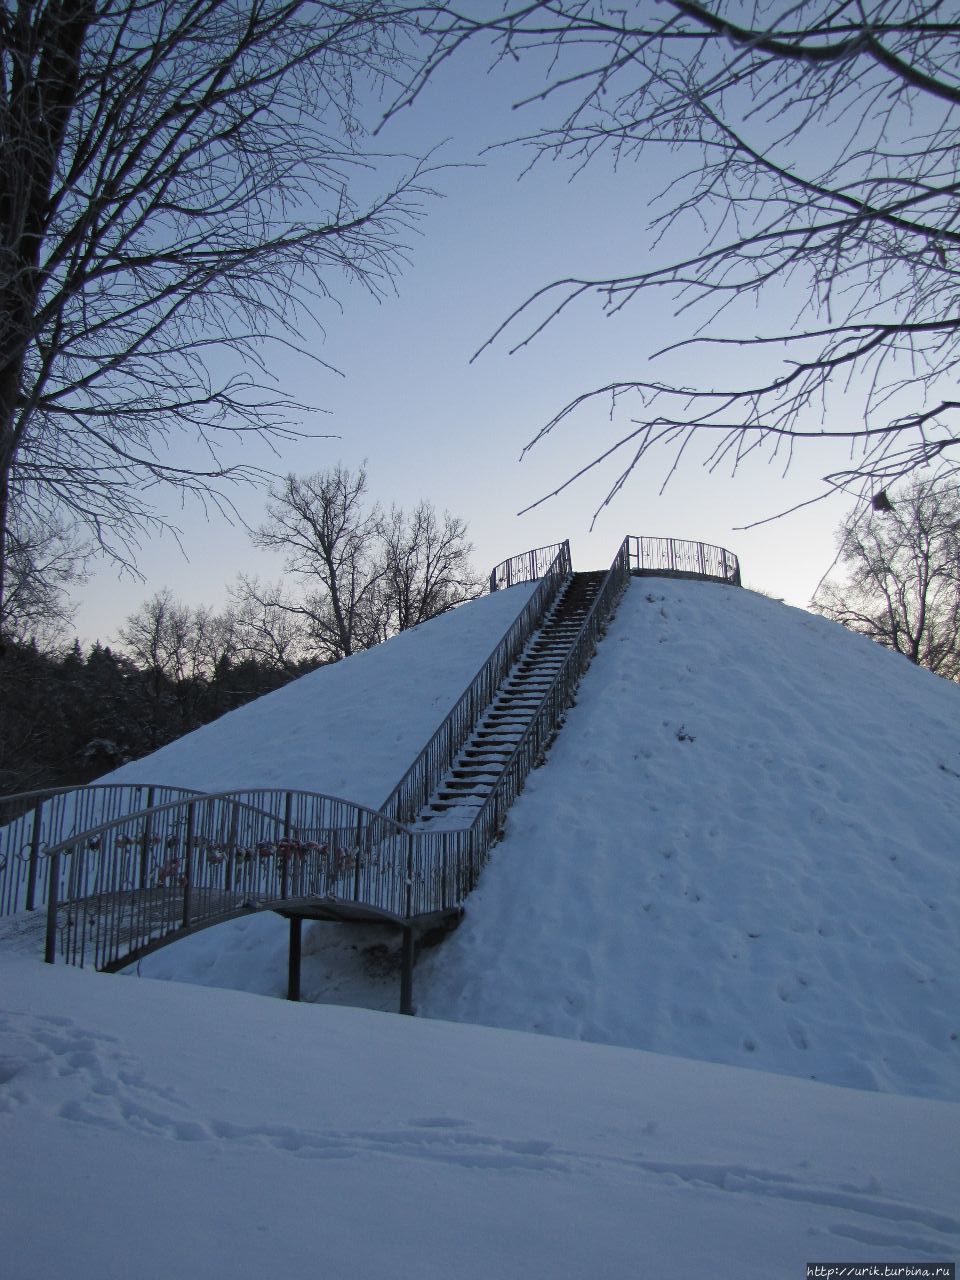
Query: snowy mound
[(351, 729), (743, 848)]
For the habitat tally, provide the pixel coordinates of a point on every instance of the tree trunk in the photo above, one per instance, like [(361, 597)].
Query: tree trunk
[(44, 44)]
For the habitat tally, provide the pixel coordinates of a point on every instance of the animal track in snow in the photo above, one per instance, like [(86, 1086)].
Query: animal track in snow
[(109, 1086)]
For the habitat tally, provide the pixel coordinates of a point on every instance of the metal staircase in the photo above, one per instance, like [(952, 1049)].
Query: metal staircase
[(466, 785)]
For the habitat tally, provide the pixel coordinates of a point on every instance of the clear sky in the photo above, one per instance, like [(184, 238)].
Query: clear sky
[(432, 425)]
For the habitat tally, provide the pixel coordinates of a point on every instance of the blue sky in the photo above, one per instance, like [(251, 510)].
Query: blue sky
[(432, 425)]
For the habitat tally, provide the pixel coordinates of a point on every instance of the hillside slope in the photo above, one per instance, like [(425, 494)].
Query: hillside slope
[(743, 848), (351, 729)]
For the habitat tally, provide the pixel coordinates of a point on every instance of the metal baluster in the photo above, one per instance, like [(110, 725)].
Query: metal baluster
[(34, 856), (145, 843), (188, 865)]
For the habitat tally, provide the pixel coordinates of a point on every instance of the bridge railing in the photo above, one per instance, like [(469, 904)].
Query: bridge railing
[(528, 566), (33, 821), (419, 782), (117, 888), (678, 558)]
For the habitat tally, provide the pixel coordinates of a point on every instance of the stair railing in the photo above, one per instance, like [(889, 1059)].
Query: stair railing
[(419, 782), (548, 716)]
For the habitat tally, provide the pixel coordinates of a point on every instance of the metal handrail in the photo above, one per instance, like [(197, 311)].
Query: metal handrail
[(27, 800), (418, 783), (526, 567), (113, 890), (251, 799), (679, 558)]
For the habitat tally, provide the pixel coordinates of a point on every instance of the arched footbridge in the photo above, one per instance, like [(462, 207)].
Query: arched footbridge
[(107, 873)]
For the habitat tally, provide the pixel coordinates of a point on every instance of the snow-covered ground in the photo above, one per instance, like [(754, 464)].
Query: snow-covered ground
[(742, 850), (160, 1131)]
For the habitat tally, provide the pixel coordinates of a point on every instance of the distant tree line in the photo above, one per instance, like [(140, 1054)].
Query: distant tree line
[(70, 717), (357, 574)]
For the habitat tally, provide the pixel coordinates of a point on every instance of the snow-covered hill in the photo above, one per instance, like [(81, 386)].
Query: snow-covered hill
[(745, 847), (742, 849)]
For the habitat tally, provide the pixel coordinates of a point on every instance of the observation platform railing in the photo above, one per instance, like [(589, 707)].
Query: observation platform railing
[(529, 565), (678, 558)]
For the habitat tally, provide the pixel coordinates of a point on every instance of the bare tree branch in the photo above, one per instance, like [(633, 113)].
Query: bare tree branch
[(820, 145)]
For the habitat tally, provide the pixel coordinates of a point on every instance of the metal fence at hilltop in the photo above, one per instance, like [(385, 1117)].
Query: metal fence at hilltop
[(678, 558)]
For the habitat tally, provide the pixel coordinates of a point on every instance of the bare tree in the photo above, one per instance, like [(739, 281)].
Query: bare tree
[(182, 650), (267, 627), (426, 566), (176, 188), (365, 574), (901, 579), (44, 563), (321, 525), (815, 155)]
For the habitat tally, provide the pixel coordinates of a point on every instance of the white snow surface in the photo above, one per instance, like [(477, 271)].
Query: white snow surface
[(154, 1130), (350, 729), (743, 848), (741, 852)]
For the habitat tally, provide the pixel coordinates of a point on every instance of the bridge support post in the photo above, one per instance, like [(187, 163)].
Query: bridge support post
[(53, 893), (188, 865), (293, 959), (285, 856), (406, 971)]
